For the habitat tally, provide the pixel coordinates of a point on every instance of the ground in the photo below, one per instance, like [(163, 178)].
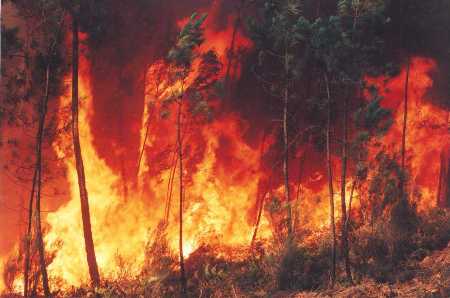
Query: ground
[(431, 279)]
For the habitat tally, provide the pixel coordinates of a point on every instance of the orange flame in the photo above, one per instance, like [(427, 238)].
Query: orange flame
[(427, 128)]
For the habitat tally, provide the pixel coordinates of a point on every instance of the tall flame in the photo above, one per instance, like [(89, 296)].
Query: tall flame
[(427, 128), (217, 197)]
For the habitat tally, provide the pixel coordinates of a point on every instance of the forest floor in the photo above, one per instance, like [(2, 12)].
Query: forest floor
[(431, 279), (428, 278), (422, 271)]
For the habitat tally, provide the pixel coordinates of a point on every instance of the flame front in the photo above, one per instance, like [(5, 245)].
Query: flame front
[(219, 195)]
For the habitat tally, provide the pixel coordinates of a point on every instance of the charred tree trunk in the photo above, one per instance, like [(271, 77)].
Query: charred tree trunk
[(349, 211), (297, 196), (344, 157), (443, 195), (231, 54), (39, 240), (27, 240), (330, 184), (180, 162), (29, 227), (260, 199), (286, 144), (37, 181), (260, 202), (405, 120), (88, 241)]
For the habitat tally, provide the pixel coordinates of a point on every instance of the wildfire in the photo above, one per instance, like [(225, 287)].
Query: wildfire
[(222, 174)]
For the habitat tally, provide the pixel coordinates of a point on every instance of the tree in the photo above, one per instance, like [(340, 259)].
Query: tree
[(84, 199), (43, 66), (180, 58), (278, 42), (345, 48)]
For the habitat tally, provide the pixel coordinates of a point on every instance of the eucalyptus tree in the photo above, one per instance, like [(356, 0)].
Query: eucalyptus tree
[(43, 79), (346, 47), (279, 46), (196, 91)]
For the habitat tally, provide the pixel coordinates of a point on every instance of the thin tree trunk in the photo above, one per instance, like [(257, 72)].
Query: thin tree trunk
[(260, 199), (297, 196), (141, 153), (347, 220), (30, 203), (330, 185), (258, 218), (84, 200), (443, 199), (39, 240), (37, 181), (29, 227), (170, 187), (180, 161), (286, 146), (231, 54), (344, 240), (405, 120)]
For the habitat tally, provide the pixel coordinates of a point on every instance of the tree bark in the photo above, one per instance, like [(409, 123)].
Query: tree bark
[(297, 196), (37, 181), (39, 240), (344, 236), (260, 199), (330, 184), (30, 203), (180, 162), (28, 235), (443, 194), (405, 120), (286, 145), (349, 211), (84, 200), (231, 54)]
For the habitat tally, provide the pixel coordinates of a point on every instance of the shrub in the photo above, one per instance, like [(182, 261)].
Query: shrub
[(433, 230), (301, 269)]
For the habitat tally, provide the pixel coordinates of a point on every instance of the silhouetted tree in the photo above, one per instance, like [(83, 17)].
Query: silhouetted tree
[(181, 57), (84, 199)]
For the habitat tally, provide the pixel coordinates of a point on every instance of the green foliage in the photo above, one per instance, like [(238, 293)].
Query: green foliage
[(385, 253), (277, 29), (370, 253), (301, 269), (349, 47), (181, 57), (433, 230), (205, 85), (208, 72), (190, 37), (279, 40), (384, 185), (374, 119), (371, 120)]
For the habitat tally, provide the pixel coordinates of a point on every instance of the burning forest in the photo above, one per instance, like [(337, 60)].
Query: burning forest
[(212, 148)]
